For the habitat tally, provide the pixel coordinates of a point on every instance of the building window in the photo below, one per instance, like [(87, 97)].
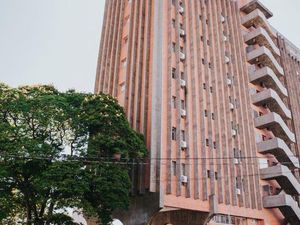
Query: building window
[(183, 172), (236, 103), (201, 38), (237, 185), (203, 61), (207, 142), (211, 89), (124, 62), (236, 156), (126, 20), (173, 102), (208, 173), (241, 156), (213, 116), (204, 86), (216, 175), (174, 47), (174, 168), (173, 23), (182, 135), (205, 113), (173, 73), (125, 40), (182, 75), (215, 145), (182, 104), (208, 42), (174, 133), (122, 86)]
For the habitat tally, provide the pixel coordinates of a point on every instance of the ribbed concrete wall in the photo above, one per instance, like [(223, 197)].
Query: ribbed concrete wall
[(159, 58)]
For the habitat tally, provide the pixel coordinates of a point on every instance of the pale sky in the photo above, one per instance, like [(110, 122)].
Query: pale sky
[(57, 41)]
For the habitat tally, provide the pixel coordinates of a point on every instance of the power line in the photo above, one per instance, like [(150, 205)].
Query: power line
[(111, 160), (152, 158), (170, 178)]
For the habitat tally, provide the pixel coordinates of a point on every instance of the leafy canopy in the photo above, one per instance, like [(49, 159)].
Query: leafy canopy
[(56, 153)]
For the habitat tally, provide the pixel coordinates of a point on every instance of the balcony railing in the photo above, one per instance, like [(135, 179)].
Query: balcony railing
[(270, 98), (284, 178), (258, 19), (264, 56), (286, 204), (255, 4), (280, 150), (260, 36), (275, 123), (268, 77)]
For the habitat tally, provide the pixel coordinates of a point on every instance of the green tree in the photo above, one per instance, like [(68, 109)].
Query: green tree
[(56, 152)]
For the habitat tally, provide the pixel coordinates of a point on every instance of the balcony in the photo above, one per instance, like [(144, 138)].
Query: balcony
[(284, 178), (286, 204), (268, 77), (261, 37), (255, 4), (272, 121), (257, 19), (264, 56), (280, 150), (271, 99)]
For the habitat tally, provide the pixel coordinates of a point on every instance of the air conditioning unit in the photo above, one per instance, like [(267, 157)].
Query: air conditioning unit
[(183, 179), (182, 32), (180, 9), (222, 19), (231, 106), (183, 112), (227, 60), (233, 132), (181, 56), (229, 82), (236, 161), (182, 83), (238, 191), (183, 144)]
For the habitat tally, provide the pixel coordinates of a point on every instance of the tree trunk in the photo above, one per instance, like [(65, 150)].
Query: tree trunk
[(28, 214), (51, 207)]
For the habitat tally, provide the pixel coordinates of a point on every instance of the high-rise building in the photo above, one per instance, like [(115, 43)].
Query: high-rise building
[(215, 90)]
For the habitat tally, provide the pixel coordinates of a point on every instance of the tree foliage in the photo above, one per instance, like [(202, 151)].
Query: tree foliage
[(56, 153)]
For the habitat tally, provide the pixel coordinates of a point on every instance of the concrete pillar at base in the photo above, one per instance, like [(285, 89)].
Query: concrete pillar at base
[(141, 209), (180, 217)]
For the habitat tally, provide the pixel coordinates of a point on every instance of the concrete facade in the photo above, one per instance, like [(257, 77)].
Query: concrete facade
[(214, 89)]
